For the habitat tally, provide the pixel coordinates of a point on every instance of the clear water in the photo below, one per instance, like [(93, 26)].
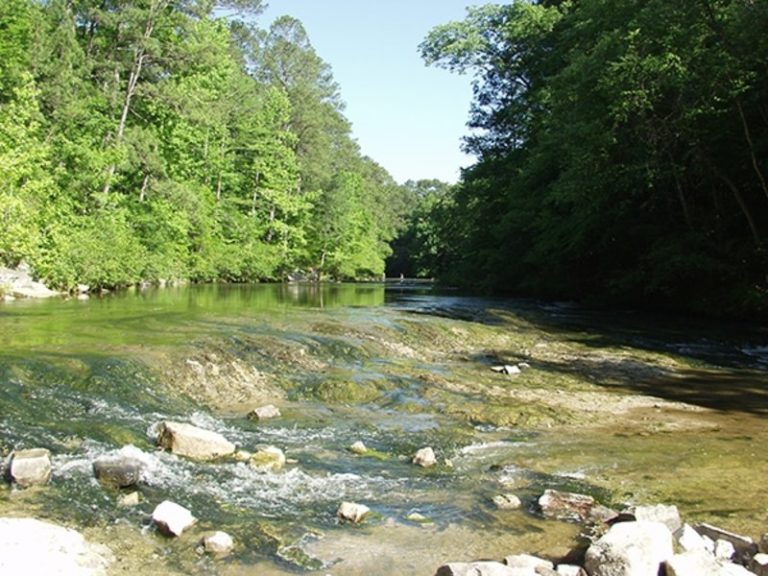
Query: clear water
[(91, 378)]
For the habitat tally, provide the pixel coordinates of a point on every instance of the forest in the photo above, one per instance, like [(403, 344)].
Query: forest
[(622, 153), (162, 140), (621, 146)]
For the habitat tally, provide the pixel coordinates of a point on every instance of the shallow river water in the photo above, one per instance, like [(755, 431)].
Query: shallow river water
[(627, 408)]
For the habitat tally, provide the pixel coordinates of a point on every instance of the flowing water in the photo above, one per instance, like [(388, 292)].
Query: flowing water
[(625, 408)]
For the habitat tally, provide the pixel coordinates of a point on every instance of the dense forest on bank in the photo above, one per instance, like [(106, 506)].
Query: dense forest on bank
[(143, 140), (622, 153)]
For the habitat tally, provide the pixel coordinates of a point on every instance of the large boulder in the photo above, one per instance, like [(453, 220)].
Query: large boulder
[(744, 546), (172, 519), (19, 283), (566, 505), (666, 514), (528, 561), (30, 467), (630, 549), (29, 546), (193, 442)]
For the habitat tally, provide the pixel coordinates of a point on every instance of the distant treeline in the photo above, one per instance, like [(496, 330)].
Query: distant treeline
[(622, 154), (175, 139)]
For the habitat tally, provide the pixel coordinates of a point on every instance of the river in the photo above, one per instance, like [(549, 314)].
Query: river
[(625, 407)]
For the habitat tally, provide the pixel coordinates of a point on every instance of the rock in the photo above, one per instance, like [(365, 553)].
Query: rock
[(172, 519), (701, 563), (418, 518), (688, 539), (481, 569), (424, 457), (351, 512), (30, 467), (724, 550), (668, 515), (193, 442), (507, 502), (119, 471), (218, 543), (358, 447), (527, 561), (506, 369), (269, 459), (745, 547), (759, 564), (129, 500), (630, 549), (29, 546), (570, 570), (264, 413), (242, 455), (566, 505), (19, 283)]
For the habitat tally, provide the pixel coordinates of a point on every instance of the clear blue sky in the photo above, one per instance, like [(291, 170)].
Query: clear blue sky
[(406, 116)]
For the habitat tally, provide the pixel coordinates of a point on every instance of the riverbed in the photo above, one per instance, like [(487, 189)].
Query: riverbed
[(626, 407)]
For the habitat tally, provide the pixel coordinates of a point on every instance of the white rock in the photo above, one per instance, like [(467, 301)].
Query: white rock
[(701, 563), (218, 543), (724, 550), (668, 515), (688, 539), (358, 447), (29, 546), (566, 505), (507, 502), (129, 500), (527, 561), (570, 570), (759, 564), (745, 547), (506, 369), (630, 549), (264, 412), (269, 459), (30, 467), (351, 512), (424, 457), (172, 519), (193, 442), (482, 569)]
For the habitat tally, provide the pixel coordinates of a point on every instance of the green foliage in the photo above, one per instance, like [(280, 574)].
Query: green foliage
[(152, 140), (623, 151)]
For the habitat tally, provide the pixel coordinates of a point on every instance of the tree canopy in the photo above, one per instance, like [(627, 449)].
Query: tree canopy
[(147, 140), (622, 152)]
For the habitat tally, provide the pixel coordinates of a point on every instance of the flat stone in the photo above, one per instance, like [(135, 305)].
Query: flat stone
[(425, 457), (218, 543), (193, 442), (264, 413), (129, 500), (630, 549), (351, 512), (666, 514), (29, 546), (30, 467), (744, 546), (172, 519), (566, 505), (269, 459), (570, 570)]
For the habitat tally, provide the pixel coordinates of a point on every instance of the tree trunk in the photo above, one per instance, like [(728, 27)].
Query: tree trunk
[(743, 205)]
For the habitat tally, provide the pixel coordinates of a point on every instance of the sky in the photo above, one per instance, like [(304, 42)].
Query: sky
[(407, 117)]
